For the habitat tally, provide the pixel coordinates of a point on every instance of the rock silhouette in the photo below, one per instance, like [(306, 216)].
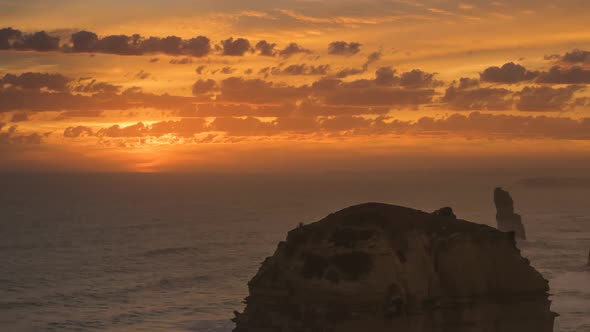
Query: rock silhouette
[(508, 221), (445, 212), (377, 267)]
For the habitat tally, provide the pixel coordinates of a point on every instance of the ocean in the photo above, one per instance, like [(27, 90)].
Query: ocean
[(174, 252)]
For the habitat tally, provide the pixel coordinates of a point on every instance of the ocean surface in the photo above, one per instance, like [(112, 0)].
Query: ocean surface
[(164, 252)]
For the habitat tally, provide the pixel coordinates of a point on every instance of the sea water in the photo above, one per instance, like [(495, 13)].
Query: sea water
[(174, 252)]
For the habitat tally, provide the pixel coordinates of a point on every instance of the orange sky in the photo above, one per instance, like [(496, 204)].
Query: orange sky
[(293, 85)]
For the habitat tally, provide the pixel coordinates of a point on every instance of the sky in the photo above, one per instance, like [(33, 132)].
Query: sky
[(293, 85)]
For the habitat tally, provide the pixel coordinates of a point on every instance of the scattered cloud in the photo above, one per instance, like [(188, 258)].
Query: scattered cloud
[(235, 47), (344, 48), (509, 73)]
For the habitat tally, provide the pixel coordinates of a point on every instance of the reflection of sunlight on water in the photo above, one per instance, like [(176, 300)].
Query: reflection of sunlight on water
[(146, 167)]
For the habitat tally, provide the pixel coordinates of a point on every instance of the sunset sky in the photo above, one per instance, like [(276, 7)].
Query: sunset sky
[(293, 85)]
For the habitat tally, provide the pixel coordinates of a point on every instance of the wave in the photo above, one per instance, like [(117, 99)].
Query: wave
[(169, 251)]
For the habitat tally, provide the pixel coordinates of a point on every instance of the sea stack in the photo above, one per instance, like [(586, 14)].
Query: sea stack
[(378, 267), (508, 221)]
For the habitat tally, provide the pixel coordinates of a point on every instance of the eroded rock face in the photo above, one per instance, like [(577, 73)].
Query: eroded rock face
[(508, 221), (377, 267)]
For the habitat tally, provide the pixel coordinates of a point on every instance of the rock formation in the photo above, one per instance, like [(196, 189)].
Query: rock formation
[(508, 221), (377, 267)]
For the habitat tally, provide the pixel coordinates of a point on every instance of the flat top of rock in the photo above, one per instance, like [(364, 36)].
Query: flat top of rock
[(396, 219)]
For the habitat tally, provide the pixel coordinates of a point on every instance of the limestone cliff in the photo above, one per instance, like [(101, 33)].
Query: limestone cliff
[(377, 267), (508, 221)]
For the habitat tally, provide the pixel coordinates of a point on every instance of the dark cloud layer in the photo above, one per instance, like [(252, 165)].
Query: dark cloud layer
[(90, 42), (576, 56), (468, 95), (19, 117), (509, 73), (11, 136), (235, 47), (8, 36), (475, 124), (301, 69), (560, 75), (344, 48), (265, 48), (371, 58), (546, 98), (84, 41), (293, 49), (36, 81)]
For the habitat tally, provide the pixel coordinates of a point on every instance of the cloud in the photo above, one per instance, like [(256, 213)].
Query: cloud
[(559, 75), (38, 41), (199, 46), (505, 125), (293, 49), (371, 58), (300, 124), (90, 42), (302, 69), (546, 98), (214, 109), (8, 36), (182, 128), (36, 81), (227, 70), (468, 95), (344, 48), (475, 124), (418, 79), (12, 137), (171, 45), (78, 131), (80, 114), (19, 99), (84, 41), (344, 123), (118, 44), (204, 87), (182, 61), (343, 73), (142, 75), (265, 48), (383, 90), (19, 117), (386, 76), (509, 73), (238, 89), (200, 69), (311, 108), (136, 130), (135, 44), (242, 126), (576, 56), (235, 47), (92, 86)]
